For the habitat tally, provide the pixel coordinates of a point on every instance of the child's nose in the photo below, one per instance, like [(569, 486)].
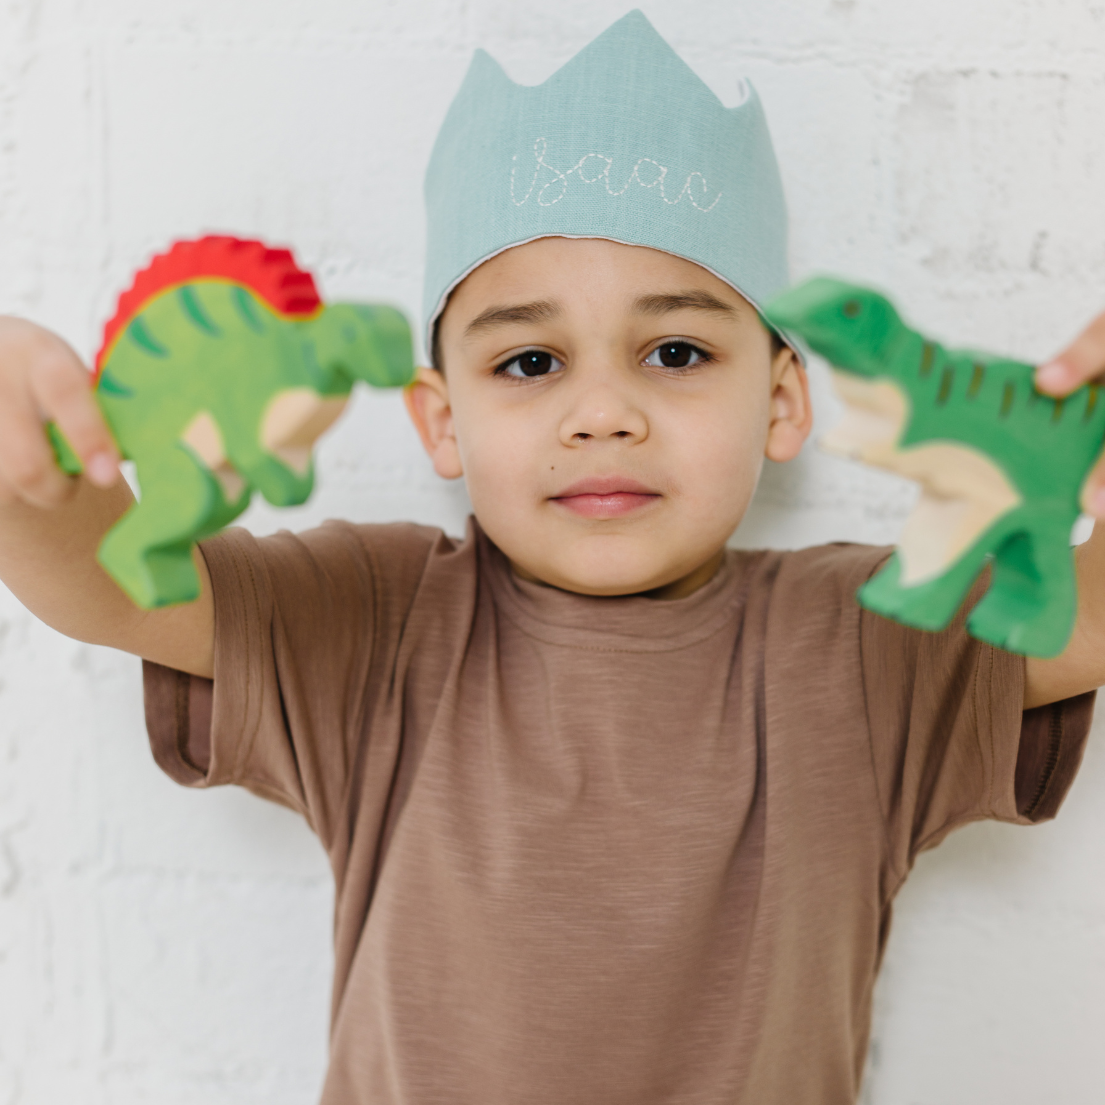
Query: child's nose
[(604, 412)]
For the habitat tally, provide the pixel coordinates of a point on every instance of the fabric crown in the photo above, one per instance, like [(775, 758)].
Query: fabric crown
[(623, 142)]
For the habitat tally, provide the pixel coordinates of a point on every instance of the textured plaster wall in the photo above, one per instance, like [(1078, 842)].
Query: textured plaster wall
[(158, 945)]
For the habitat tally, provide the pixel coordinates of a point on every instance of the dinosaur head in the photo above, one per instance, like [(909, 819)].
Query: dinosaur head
[(361, 341), (851, 327)]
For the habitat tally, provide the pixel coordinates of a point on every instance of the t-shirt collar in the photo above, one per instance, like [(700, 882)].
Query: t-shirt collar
[(634, 623)]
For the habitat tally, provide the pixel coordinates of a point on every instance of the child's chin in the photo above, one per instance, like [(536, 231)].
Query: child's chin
[(624, 572)]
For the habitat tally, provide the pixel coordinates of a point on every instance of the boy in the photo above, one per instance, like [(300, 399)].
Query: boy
[(615, 815)]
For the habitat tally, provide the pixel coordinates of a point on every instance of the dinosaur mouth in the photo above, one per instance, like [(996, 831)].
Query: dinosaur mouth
[(963, 492), (875, 412)]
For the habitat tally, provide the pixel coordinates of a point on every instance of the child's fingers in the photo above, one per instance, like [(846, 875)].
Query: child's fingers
[(62, 390), (1093, 490), (1080, 362), (42, 379), (27, 467)]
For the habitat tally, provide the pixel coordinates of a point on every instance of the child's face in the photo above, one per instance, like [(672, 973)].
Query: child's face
[(610, 407)]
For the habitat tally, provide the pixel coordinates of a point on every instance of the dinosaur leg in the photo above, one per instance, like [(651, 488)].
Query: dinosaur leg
[(292, 421), (930, 604), (1032, 600), (149, 551)]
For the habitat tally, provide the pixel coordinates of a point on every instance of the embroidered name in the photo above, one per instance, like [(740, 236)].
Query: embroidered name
[(595, 167)]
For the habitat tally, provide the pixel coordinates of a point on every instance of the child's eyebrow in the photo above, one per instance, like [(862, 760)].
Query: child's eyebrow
[(681, 301), (538, 311)]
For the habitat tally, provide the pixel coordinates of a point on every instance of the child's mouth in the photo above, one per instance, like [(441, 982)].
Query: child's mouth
[(605, 497)]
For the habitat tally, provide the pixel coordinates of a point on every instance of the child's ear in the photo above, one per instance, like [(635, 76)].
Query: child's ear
[(791, 412), (427, 402)]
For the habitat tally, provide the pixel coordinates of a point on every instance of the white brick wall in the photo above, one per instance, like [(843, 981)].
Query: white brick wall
[(158, 945)]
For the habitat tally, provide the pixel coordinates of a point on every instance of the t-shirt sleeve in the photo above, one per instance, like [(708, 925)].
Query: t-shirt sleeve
[(305, 628), (950, 741)]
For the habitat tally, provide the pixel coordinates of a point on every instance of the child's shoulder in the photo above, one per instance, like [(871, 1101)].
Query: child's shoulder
[(387, 548), (839, 565)]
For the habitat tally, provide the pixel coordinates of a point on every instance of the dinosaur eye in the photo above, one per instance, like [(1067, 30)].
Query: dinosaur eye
[(852, 308)]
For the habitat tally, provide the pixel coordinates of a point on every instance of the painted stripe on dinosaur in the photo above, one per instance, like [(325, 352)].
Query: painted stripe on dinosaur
[(139, 333), (194, 312), (270, 274)]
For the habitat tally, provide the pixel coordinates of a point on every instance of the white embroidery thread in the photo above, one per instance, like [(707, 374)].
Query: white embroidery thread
[(560, 179)]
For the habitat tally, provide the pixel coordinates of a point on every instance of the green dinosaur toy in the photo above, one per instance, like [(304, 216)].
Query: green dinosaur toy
[(219, 370), (1001, 467)]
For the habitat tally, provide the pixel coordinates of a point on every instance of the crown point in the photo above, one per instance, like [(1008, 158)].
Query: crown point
[(483, 65), (607, 133)]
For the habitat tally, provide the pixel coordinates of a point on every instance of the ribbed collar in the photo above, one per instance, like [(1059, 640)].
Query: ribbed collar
[(623, 623)]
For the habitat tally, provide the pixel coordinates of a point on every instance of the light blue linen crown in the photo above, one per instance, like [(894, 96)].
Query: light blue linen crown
[(623, 142)]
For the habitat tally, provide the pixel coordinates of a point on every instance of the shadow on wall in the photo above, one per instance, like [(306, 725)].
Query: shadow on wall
[(996, 913)]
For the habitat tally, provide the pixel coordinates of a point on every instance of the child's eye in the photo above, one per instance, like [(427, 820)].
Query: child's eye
[(534, 362), (677, 354)]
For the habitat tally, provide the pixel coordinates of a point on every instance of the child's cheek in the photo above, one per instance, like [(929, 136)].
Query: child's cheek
[(500, 465), (723, 446)]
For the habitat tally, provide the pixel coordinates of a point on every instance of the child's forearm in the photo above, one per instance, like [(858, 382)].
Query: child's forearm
[(48, 561), (1081, 667)]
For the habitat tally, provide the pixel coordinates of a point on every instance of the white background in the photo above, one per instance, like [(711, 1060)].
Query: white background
[(159, 945)]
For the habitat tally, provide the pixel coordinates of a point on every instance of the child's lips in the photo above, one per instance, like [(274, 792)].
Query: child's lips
[(606, 497)]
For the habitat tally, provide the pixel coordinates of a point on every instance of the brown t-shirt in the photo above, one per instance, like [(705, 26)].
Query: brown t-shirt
[(600, 851)]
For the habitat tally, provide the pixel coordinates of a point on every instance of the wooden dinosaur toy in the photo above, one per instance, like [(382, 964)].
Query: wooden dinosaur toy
[(1000, 465), (217, 373)]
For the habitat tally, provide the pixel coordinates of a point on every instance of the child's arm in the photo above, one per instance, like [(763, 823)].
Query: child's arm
[(51, 524), (1082, 361), (1082, 666)]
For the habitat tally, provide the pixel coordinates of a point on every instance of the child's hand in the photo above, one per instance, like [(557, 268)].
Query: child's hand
[(1078, 364), (48, 557), (42, 380)]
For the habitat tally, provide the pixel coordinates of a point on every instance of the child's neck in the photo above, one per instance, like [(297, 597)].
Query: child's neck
[(677, 589)]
